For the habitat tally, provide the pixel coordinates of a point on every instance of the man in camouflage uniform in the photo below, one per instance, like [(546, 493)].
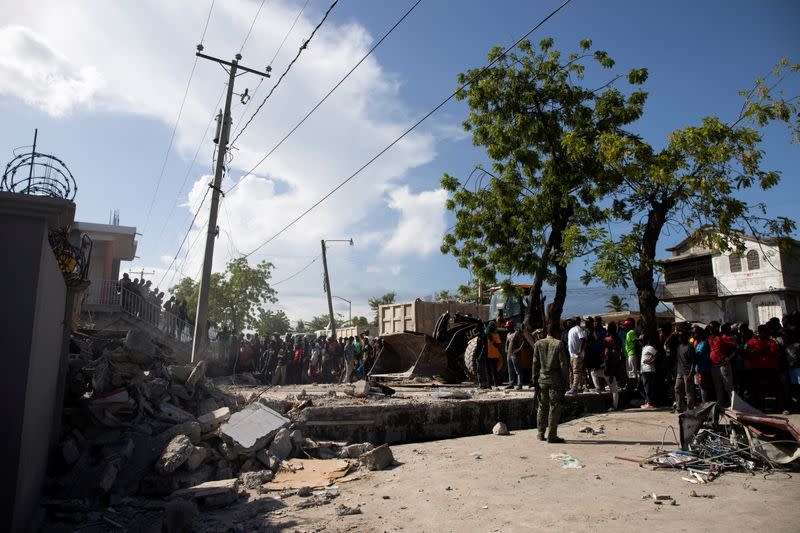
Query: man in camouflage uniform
[(550, 378)]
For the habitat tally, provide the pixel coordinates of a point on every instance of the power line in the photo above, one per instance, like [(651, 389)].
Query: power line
[(313, 109), (298, 272), (261, 80), (183, 241), (194, 159), (255, 18), (175, 126), (409, 130), (285, 72)]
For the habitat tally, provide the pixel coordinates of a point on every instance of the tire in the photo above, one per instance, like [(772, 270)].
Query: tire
[(470, 359)]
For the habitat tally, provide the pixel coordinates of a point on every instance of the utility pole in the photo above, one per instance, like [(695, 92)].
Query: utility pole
[(142, 273), (224, 128), (327, 281)]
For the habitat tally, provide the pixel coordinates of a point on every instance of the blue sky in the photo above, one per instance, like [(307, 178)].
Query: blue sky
[(103, 81)]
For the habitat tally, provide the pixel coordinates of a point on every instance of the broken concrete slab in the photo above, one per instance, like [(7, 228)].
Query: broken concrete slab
[(268, 460), (252, 428), (170, 413), (179, 373), (314, 473), (281, 446), (254, 480), (297, 438), (211, 493), (185, 478), (211, 421), (198, 456), (377, 459), (354, 451), (179, 449)]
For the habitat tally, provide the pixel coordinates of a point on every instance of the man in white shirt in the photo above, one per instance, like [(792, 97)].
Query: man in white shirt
[(576, 345)]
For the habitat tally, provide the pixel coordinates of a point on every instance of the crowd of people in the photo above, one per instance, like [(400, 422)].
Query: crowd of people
[(300, 358), (141, 299), (690, 364)]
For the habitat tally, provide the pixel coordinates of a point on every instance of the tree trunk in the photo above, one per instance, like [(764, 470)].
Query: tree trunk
[(557, 306), (643, 277)]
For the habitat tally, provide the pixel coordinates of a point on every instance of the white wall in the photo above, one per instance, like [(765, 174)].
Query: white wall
[(704, 311), (767, 277)]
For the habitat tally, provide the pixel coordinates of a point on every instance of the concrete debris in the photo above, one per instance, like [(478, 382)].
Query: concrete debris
[(317, 499), (254, 480), (281, 446), (500, 429), (304, 492), (343, 510), (591, 430), (170, 413), (694, 494), (211, 421), (361, 389), (378, 459), (198, 456), (198, 374), (268, 460), (354, 451), (211, 493), (175, 454), (253, 427), (140, 347)]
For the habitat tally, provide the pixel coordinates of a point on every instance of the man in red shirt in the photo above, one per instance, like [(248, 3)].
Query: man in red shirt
[(761, 366), (723, 348)]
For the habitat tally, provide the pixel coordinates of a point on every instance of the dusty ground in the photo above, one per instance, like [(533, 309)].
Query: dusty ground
[(516, 486)]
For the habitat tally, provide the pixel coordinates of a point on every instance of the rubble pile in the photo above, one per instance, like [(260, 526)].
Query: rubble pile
[(137, 428), (740, 438)]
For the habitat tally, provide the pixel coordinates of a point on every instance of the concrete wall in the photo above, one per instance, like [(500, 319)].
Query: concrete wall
[(31, 345), (767, 277)]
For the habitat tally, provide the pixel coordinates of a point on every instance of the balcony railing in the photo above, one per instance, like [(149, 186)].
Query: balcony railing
[(110, 293), (692, 288)]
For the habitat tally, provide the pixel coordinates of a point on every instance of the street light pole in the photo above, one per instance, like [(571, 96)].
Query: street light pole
[(327, 281), (349, 308)]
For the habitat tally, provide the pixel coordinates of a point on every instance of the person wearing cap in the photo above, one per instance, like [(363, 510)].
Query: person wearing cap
[(576, 344)]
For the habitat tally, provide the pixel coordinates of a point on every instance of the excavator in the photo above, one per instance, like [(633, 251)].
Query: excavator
[(448, 353)]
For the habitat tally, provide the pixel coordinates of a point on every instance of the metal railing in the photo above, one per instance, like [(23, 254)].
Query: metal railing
[(700, 286), (110, 293)]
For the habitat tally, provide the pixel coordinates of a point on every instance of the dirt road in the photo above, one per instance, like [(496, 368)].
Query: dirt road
[(516, 486)]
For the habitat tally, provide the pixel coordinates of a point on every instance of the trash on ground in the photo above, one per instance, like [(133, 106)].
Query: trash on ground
[(343, 510), (567, 461)]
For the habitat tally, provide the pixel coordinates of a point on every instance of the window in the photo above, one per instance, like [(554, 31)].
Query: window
[(752, 260), (735, 261)]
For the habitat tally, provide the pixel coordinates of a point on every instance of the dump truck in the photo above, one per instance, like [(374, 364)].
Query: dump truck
[(443, 339)]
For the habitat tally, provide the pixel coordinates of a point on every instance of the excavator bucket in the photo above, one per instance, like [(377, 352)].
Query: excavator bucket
[(409, 355)]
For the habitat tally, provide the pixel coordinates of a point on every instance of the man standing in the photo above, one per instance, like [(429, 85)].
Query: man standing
[(684, 380), (514, 342), (576, 343), (723, 348), (550, 378)]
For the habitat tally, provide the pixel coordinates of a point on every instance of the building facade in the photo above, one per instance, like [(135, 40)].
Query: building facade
[(761, 283)]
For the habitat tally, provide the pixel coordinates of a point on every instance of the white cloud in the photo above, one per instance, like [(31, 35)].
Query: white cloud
[(33, 71), (422, 221)]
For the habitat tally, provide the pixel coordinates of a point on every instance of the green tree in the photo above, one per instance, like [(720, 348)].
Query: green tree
[(377, 301), (360, 321), (444, 296), (540, 126), (319, 322), (617, 304), (301, 326), (468, 293), (701, 178), (268, 322), (235, 296)]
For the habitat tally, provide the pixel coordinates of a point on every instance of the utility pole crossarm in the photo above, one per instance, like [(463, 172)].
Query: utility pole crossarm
[(201, 318)]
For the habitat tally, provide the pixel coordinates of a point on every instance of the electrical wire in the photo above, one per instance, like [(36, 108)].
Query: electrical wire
[(191, 225), (261, 78), (298, 272), (255, 18), (409, 130), (285, 72), (191, 165), (327, 95), (175, 126)]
